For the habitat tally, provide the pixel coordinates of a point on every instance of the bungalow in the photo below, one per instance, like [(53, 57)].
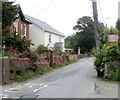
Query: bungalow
[(43, 34)]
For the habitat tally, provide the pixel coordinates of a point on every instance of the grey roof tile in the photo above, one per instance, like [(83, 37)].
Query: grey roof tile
[(43, 25)]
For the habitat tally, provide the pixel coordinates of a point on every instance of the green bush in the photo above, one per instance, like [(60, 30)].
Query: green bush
[(21, 44), (113, 75), (109, 53), (18, 68), (32, 56), (41, 49), (7, 53)]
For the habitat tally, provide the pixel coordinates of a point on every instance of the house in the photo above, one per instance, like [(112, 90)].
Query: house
[(43, 34), (20, 25)]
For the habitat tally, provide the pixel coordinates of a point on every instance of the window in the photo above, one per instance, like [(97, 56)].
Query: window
[(24, 30), (59, 38), (16, 26), (50, 38)]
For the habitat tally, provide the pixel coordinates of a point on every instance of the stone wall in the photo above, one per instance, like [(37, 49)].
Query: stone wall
[(43, 62)]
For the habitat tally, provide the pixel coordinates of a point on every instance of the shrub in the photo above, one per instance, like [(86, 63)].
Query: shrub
[(41, 49), (18, 68), (15, 41), (113, 75), (32, 56), (109, 53)]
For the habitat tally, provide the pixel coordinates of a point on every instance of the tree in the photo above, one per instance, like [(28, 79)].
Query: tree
[(8, 13), (84, 36), (8, 16)]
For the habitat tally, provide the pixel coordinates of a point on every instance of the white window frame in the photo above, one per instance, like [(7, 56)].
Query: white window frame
[(16, 26), (50, 35), (24, 30), (60, 38)]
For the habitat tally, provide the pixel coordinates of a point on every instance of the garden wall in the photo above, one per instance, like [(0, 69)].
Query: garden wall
[(42, 62)]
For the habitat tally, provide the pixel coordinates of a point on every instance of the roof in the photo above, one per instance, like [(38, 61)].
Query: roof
[(43, 25), (22, 15), (68, 49)]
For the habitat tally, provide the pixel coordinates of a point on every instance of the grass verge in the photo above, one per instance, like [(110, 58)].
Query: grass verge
[(39, 72), (110, 81)]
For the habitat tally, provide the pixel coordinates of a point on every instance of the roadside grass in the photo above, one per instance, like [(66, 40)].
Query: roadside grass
[(39, 72), (110, 81)]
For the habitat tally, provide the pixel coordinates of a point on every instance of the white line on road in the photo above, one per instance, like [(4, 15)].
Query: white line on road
[(5, 90), (41, 84), (45, 86), (5, 96), (12, 88), (15, 97), (30, 86), (19, 86), (35, 90), (27, 84)]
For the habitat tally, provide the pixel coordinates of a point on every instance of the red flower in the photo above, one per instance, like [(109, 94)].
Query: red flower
[(26, 53), (17, 56), (11, 48)]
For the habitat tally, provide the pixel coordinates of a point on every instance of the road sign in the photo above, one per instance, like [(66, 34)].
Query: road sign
[(113, 38)]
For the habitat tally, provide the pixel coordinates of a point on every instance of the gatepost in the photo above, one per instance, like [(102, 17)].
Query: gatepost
[(4, 69)]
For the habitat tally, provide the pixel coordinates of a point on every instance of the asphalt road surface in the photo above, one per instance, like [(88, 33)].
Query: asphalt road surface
[(77, 80)]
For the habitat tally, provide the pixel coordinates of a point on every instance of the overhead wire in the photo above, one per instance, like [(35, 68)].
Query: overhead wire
[(44, 8), (101, 11)]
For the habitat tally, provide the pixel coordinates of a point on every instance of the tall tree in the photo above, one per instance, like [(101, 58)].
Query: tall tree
[(8, 13), (84, 36), (8, 16)]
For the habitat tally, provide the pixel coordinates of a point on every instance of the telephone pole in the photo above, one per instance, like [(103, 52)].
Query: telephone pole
[(96, 25)]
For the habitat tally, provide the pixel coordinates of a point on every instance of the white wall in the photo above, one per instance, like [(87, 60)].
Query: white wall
[(54, 38), (37, 35)]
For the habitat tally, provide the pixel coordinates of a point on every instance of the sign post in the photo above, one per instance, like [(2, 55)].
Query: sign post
[(113, 38)]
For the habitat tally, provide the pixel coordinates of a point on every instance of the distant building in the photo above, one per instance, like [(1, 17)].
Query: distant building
[(68, 50), (43, 34)]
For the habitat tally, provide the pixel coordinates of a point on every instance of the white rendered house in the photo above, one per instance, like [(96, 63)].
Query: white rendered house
[(43, 34)]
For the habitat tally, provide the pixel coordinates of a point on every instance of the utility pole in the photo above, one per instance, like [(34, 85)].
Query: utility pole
[(96, 25)]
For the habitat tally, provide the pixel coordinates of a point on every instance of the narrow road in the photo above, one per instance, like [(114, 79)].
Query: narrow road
[(77, 80)]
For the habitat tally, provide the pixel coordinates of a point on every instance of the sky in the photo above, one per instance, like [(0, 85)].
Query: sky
[(63, 14)]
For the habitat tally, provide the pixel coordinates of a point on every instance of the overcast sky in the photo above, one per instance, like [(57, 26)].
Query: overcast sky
[(63, 14)]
